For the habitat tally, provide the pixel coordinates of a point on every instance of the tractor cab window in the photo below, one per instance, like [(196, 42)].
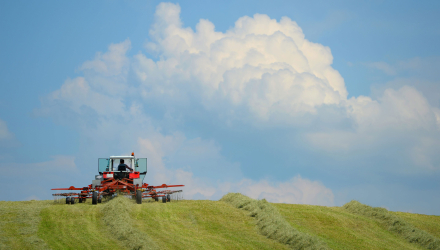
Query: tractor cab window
[(103, 165), (141, 166), (116, 162)]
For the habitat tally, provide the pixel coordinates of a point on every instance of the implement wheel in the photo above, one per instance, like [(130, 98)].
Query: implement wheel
[(138, 196), (72, 201), (99, 199), (164, 199), (95, 198), (80, 200), (168, 198), (156, 198), (67, 200)]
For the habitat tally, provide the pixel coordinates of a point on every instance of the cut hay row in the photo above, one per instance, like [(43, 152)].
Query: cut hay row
[(271, 224), (395, 223), (22, 219), (116, 215)]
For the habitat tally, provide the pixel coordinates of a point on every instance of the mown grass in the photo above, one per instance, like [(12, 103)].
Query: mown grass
[(395, 224), (429, 223), (272, 225), (200, 225), (189, 225), (116, 216), (341, 229), (78, 226), (19, 224)]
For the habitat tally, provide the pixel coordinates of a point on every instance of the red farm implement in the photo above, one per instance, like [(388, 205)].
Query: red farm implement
[(113, 181)]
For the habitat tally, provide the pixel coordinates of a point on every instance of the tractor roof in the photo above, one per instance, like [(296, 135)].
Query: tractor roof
[(122, 157)]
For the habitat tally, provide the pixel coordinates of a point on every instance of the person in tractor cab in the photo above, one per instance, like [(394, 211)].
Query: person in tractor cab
[(123, 167)]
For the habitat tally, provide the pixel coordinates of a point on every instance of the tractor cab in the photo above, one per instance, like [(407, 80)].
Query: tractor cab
[(108, 168)]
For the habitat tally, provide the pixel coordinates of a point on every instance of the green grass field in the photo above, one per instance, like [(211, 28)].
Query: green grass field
[(188, 224), (341, 229)]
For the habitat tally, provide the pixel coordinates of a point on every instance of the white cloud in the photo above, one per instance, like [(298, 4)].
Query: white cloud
[(107, 73), (266, 66), (261, 71), (269, 69), (400, 120), (113, 62), (191, 156), (296, 190), (77, 94), (405, 108)]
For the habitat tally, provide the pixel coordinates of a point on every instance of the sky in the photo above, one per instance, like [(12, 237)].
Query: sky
[(304, 102)]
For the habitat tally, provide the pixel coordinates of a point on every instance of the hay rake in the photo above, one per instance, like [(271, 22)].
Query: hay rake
[(111, 182)]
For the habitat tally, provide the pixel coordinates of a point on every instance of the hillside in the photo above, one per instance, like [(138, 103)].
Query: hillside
[(188, 224)]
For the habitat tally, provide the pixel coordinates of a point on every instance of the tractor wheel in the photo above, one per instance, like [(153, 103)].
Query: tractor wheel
[(95, 198), (80, 200), (164, 199), (72, 201), (138, 196), (168, 198), (67, 200)]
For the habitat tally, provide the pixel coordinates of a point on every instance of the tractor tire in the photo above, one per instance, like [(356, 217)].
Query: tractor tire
[(95, 198), (72, 201), (138, 196), (80, 200), (164, 199), (168, 198), (67, 200)]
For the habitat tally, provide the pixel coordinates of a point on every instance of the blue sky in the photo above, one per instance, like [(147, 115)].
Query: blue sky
[(306, 102)]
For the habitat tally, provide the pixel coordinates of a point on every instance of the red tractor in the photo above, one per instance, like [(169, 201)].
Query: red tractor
[(112, 181)]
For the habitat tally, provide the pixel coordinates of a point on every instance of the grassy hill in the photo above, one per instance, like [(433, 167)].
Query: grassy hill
[(187, 224)]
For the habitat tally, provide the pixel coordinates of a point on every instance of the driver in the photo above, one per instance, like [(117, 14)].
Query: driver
[(123, 167)]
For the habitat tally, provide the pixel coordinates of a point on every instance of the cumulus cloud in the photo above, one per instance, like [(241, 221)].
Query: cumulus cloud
[(264, 66), (172, 152), (77, 94), (398, 118), (296, 190), (261, 71), (405, 109), (113, 62), (107, 72)]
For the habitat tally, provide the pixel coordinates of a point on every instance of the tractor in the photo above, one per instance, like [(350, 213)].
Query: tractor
[(111, 182)]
